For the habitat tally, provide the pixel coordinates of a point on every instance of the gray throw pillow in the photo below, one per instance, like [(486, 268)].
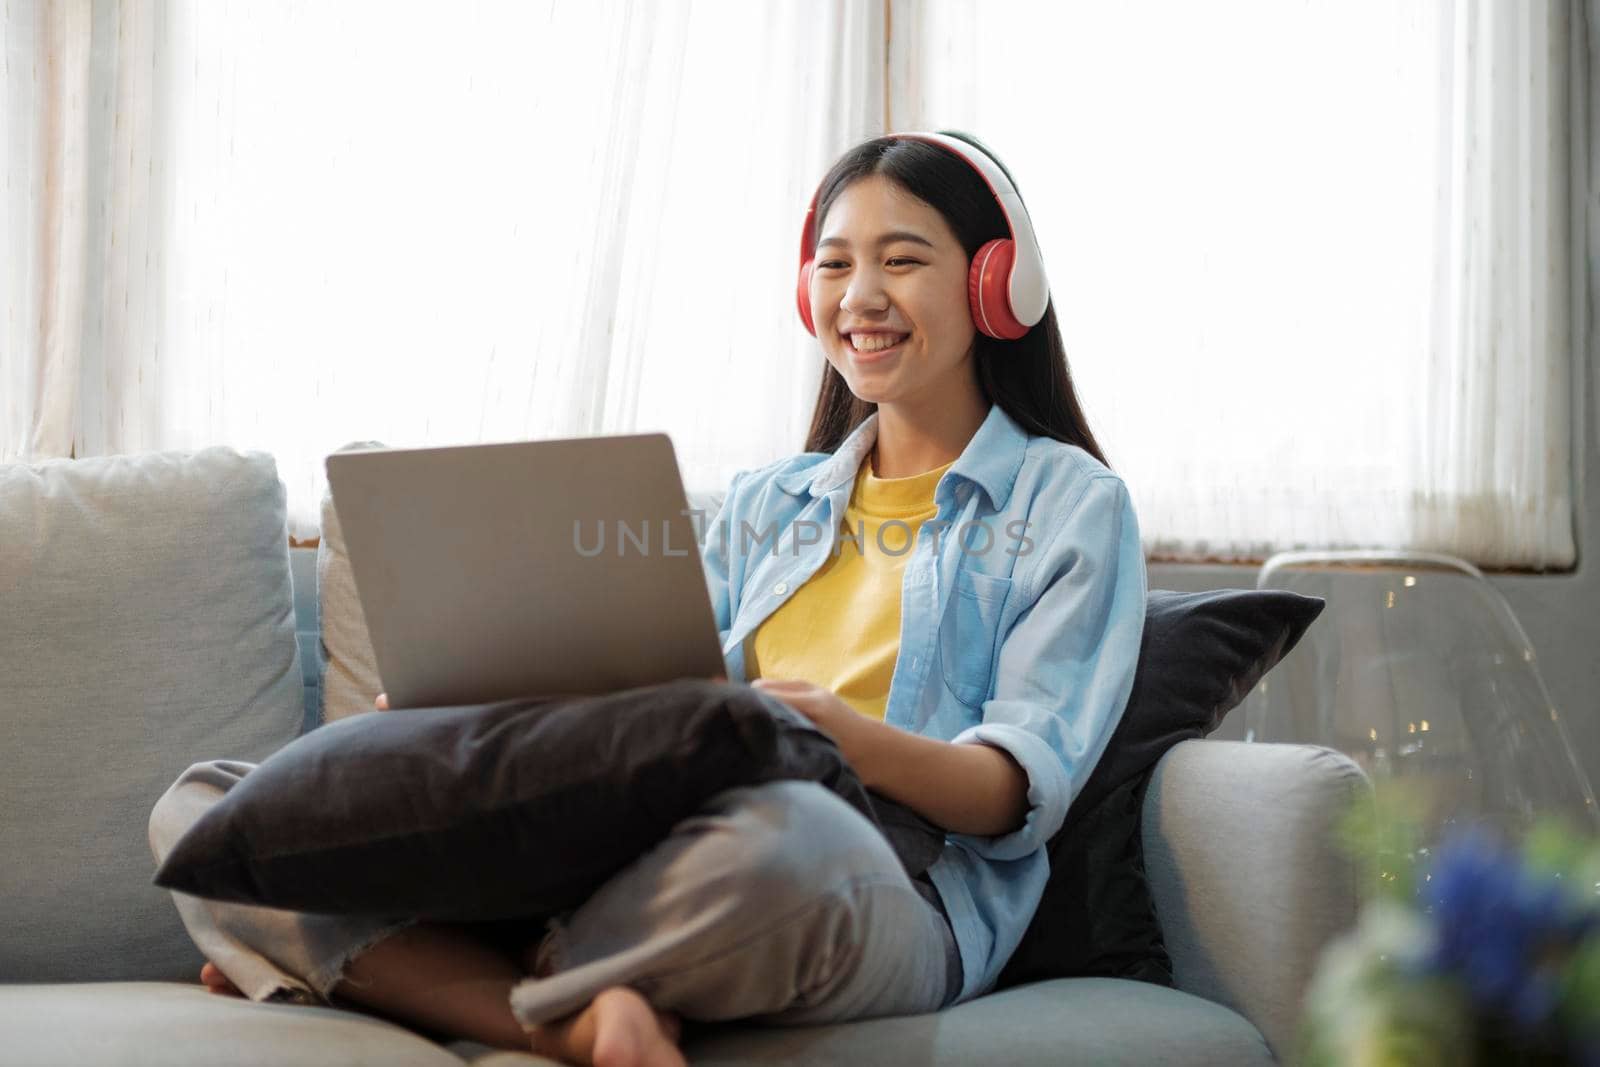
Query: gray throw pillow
[(350, 681), (147, 623)]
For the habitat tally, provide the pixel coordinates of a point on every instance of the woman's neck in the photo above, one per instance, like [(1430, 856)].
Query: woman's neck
[(912, 442)]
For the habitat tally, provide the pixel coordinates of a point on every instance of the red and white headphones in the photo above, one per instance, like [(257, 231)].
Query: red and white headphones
[(1006, 286)]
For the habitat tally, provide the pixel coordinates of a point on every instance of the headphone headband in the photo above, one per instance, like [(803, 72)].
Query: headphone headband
[(1002, 306)]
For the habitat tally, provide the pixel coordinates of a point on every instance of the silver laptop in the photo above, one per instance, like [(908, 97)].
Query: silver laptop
[(539, 568)]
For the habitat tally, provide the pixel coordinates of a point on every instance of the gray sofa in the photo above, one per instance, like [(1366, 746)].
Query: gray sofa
[(152, 615)]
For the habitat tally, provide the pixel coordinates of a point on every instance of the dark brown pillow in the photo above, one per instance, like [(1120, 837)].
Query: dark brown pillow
[(496, 811), (1200, 656)]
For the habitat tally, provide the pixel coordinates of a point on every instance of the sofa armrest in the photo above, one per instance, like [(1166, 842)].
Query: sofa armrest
[(1248, 880)]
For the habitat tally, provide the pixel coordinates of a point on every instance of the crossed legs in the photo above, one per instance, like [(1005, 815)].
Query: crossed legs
[(776, 902)]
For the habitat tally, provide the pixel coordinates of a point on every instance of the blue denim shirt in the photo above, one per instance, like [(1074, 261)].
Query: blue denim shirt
[(1022, 607)]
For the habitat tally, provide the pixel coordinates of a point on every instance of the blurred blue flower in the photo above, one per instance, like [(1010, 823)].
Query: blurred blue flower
[(1496, 925)]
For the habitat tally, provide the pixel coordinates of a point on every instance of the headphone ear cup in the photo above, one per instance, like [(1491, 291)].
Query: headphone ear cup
[(988, 291), (803, 297)]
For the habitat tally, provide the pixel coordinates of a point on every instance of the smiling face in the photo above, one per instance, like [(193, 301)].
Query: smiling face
[(890, 271)]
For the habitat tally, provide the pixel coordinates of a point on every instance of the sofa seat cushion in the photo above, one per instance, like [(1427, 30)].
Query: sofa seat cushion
[(1071, 1020), (1066, 1020), (169, 1024), (1044, 1024)]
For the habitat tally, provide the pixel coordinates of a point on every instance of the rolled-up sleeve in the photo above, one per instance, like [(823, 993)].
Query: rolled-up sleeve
[(1065, 666)]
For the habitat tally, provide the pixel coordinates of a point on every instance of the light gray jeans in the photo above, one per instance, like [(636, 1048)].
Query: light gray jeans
[(777, 903)]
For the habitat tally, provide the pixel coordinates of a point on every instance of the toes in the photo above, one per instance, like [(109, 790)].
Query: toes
[(629, 1031), (217, 982)]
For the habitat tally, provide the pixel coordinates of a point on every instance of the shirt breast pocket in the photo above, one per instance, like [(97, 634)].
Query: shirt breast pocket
[(970, 633)]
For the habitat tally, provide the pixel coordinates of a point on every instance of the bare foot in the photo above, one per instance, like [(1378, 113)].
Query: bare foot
[(216, 982), (619, 1028)]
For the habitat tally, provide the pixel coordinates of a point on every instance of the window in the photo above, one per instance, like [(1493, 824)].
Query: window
[(1311, 260)]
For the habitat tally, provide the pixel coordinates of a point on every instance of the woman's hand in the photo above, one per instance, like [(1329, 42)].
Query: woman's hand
[(967, 789), (822, 706)]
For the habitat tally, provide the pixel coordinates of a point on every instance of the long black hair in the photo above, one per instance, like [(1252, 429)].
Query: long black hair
[(1027, 377)]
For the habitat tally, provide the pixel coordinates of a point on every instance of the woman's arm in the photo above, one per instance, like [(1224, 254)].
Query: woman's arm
[(967, 789)]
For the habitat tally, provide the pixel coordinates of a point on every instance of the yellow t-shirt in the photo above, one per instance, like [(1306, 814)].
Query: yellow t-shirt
[(841, 629)]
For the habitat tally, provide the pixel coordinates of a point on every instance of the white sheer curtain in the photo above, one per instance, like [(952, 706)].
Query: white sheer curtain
[(291, 225), (1311, 260), (88, 342)]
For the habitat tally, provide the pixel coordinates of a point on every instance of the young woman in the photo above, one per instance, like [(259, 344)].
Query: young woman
[(948, 581)]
